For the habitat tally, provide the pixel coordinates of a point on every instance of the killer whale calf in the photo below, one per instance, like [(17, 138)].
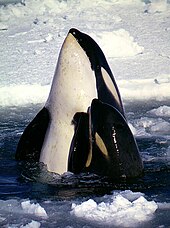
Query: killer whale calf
[(111, 151), (82, 127)]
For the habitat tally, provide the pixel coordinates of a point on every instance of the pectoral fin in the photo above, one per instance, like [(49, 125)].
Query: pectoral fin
[(31, 141)]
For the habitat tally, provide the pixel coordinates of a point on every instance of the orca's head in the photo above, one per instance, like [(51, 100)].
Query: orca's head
[(114, 149), (81, 60), (104, 144), (92, 50), (106, 86), (82, 64)]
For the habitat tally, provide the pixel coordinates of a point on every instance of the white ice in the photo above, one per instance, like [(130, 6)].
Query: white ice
[(121, 208), (163, 111), (145, 89), (21, 212), (32, 32), (120, 211), (147, 126), (33, 208), (122, 44), (135, 38)]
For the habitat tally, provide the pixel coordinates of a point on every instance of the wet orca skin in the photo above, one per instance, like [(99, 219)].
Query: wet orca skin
[(73, 130), (113, 142), (111, 149), (107, 89)]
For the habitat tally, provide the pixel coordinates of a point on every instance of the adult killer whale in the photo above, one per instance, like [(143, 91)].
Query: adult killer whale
[(82, 126)]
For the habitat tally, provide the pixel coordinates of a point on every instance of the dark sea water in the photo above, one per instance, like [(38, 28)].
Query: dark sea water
[(33, 182)]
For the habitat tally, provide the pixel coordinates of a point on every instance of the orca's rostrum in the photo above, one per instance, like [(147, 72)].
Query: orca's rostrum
[(82, 127)]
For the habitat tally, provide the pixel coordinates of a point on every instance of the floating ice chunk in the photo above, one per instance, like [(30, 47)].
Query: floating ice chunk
[(163, 127), (118, 43), (120, 211), (145, 206), (33, 208), (151, 125), (161, 111), (33, 224), (85, 208), (145, 122)]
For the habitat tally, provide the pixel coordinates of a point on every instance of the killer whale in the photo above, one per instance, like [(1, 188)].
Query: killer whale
[(110, 150), (63, 135)]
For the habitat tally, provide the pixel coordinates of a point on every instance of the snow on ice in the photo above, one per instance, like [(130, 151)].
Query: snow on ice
[(122, 44), (145, 89), (156, 6), (137, 54), (17, 95)]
